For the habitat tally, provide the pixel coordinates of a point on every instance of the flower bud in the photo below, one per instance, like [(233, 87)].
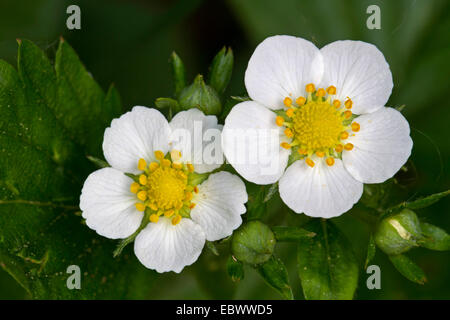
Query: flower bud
[(253, 243), (201, 96), (398, 233)]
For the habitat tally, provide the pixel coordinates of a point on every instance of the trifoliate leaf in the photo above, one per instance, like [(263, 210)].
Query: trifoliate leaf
[(408, 268), (326, 263), (50, 120), (275, 275)]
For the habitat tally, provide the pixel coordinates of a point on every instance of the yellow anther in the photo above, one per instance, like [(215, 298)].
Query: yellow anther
[(330, 161), (192, 206), (302, 151), (175, 155), (143, 179), (196, 189), (190, 167), (188, 196), (142, 164), (348, 103), (140, 206), (310, 88), (169, 213), (279, 121), (166, 163), (355, 126), (153, 207), (331, 90), (288, 132), (142, 195), (309, 162), (134, 187), (320, 154), (177, 165), (348, 146), (336, 103), (287, 102), (300, 101), (159, 155), (154, 218), (153, 166), (347, 114), (285, 145), (290, 112), (182, 175), (176, 220), (320, 92), (344, 135), (339, 148), (179, 205)]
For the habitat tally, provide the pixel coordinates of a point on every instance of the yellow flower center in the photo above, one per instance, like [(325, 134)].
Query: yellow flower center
[(163, 187), (317, 124)]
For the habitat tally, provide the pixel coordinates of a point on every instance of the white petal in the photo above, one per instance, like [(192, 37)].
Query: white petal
[(198, 138), (108, 205), (282, 66), (251, 143), (136, 134), (358, 70), (164, 247), (381, 146), (321, 191), (219, 205)]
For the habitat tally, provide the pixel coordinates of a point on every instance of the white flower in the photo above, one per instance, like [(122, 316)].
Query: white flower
[(182, 214), (326, 110)]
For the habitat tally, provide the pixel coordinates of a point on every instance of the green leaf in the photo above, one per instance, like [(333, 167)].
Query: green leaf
[(371, 250), (256, 207), (434, 238), (253, 243), (271, 192), (417, 204), (169, 103), (98, 162), (235, 269), (50, 119), (408, 268), (221, 70), (275, 275), (326, 263), (291, 234), (212, 247), (178, 73)]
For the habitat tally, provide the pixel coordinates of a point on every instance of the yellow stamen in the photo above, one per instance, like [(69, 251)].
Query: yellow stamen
[(159, 155), (348, 103), (279, 121), (348, 146), (188, 196), (320, 92), (347, 114), (176, 220), (288, 132), (336, 103), (355, 126), (153, 166), (166, 162), (287, 102), (134, 187), (290, 112), (302, 151), (344, 135), (153, 207), (175, 155), (190, 167), (142, 164), (339, 148), (285, 145), (196, 189), (143, 179), (331, 90), (330, 161), (320, 154), (142, 195), (310, 88), (300, 101), (169, 213), (154, 218), (140, 206), (177, 165), (309, 162), (191, 206)]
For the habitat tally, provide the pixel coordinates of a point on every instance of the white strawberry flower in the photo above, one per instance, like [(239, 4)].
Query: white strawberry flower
[(326, 110), (182, 213)]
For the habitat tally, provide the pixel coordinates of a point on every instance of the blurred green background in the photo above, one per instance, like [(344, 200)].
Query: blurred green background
[(129, 42)]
